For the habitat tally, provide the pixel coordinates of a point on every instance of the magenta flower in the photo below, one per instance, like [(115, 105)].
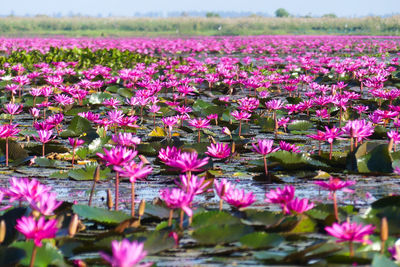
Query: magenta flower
[(126, 139), (264, 147), (199, 123), (333, 185), (238, 198), (239, 116), (193, 184), (219, 150), (288, 147), (350, 232), (74, 142), (170, 122), (169, 154), (281, 196), (46, 203), (24, 189), (37, 230), (330, 136), (299, 206), (133, 171), (7, 131), (117, 156), (45, 136), (188, 162), (358, 130), (126, 254), (177, 199)]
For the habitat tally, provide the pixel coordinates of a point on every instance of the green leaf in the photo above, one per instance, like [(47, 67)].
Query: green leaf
[(125, 92), (220, 234), (263, 218), (11, 256), (87, 172), (207, 218), (155, 241), (100, 215), (300, 125), (377, 160), (98, 98), (258, 240), (305, 225), (157, 211), (47, 254), (381, 260), (77, 127)]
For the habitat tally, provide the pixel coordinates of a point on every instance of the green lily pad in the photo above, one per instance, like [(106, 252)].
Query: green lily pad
[(370, 157), (382, 260), (100, 215), (47, 254), (258, 240), (87, 172), (207, 218), (220, 234), (300, 125)]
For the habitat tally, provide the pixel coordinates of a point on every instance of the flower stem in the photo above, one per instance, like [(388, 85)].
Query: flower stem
[(265, 165), (198, 138), (330, 151), (240, 127), (181, 219), (92, 193), (220, 204), (171, 214), (7, 151), (116, 190), (335, 207), (33, 257), (133, 199), (73, 156), (43, 149), (351, 249)]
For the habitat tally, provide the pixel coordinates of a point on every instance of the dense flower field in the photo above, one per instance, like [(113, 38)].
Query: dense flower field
[(165, 147)]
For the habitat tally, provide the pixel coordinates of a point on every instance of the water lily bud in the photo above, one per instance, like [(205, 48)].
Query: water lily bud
[(96, 175), (142, 207), (2, 230), (73, 225), (110, 203)]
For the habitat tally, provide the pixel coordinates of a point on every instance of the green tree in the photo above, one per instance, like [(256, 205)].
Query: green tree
[(329, 15), (281, 13), (212, 15)]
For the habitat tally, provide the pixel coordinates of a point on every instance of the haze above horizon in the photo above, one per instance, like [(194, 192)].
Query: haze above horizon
[(162, 8)]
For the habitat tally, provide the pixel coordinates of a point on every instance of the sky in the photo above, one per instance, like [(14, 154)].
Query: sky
[(342, 8)]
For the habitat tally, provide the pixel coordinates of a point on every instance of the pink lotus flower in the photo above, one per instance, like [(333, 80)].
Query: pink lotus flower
[(281, 196), (24, 189), (46, 203), (351, 232), (199, 123), (169, 154), (193, 184), (133, 171), (288, 147), (238, 198), (219, 150), (117, 156), (7, 131), (126, 139), (333, 185), (299, 206), (188, 162), (264, 147), (37, 230), (177, 199), (45, 136), (126, 254)]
